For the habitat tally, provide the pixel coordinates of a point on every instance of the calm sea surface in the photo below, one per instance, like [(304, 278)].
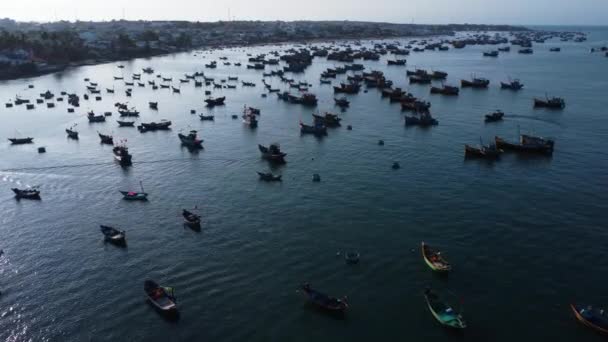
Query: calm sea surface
[(526, 236)]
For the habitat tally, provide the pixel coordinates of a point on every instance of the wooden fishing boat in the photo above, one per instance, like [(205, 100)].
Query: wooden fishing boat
[(329, 119), (594, 318), (31, 193), (112, 235), (527, 144), (206, 117), (512, 85), (439, 75), (122, 156), (418, 79), (128, 113), (434, 259), (162, 298), (272, 153), (342, 102), (95, 118), (324, 301), (21, 141), (269, 177), (493, 53), (135, 196), (423, 120), (490, 152), (190, 219), (72, 133), (445, 90), (163, 125), (126, 123), (351, 88), (191, 140), (475, 83), (553, 103), (212, 102), (496, 116), (318, 129), (106, 139), (443, 312)]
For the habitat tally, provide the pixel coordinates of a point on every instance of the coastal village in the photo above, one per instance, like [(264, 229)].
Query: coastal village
[(28, 49)]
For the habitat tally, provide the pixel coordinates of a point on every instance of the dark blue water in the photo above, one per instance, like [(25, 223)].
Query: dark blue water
[(526, 236)]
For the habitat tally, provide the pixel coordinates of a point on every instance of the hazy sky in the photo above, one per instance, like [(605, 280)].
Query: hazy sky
[(589, 12)]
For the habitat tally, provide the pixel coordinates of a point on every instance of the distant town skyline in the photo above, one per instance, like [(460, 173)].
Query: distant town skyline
[(516, 12)]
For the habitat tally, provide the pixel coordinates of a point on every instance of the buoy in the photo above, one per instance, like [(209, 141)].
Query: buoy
[(381, 142), (396, 166), (316, 177), (349, 127), (192, 111), (41, 149)]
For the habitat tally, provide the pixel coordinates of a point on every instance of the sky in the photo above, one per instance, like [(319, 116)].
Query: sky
[(516, 12)]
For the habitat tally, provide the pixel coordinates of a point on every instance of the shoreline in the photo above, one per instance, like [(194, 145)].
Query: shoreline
[(52, 69)]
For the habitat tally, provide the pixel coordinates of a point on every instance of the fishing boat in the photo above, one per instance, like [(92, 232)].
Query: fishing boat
[(191, 140), (273, 153), (351, 88), (128, 112), (553, 103), (439, 75), (135, 196), (434, 259), (269, 177), (398, 62), (443, 312), (512, 85), (106, 139), (475, 83), (121, 154), (162, 298), (190, 219), (126, 123), (163, 125), (527, 144), (21, 141), (148, 70), (594, 318), (342, 102), (424, 120), (95, 118), (112, 235), (324, 301), (249, 117), (493, 117), (30, 193), (72, 133), (493, 53), (212, 102), (318, 129), (204, 117), (329, 120), (445, 90), (419, 79), (490, 152)]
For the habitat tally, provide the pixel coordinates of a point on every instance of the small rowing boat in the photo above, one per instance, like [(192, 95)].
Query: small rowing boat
[(324, 301), (112, 235), (443, 312), (434, 259), (594, 318), (163, 298)]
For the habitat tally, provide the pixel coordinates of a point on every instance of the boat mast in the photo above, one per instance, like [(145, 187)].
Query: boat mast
[(141, 184)]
